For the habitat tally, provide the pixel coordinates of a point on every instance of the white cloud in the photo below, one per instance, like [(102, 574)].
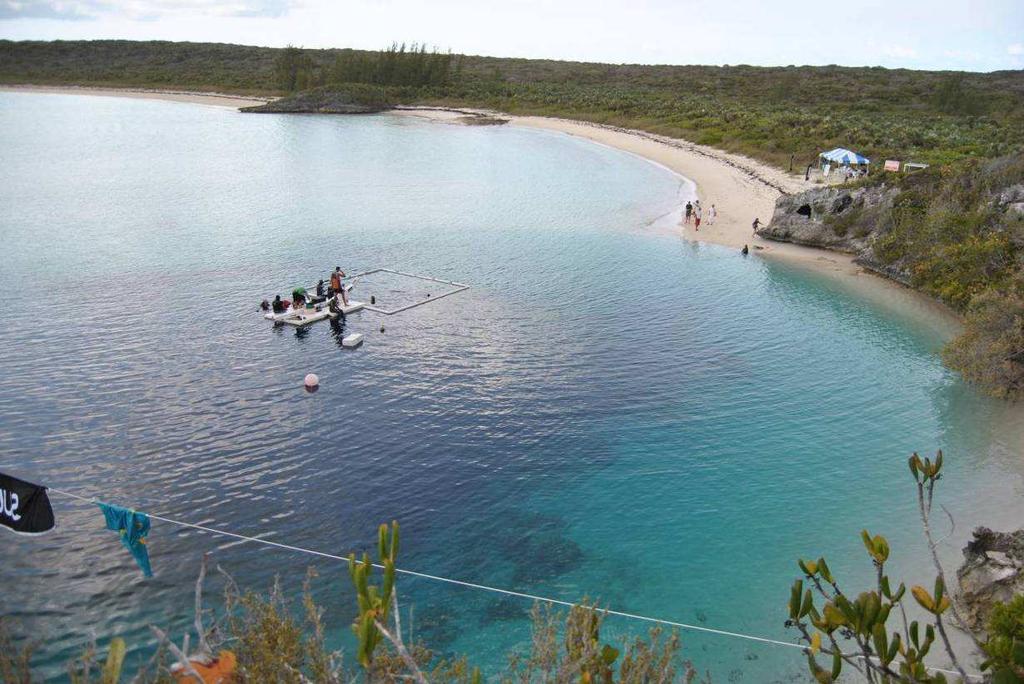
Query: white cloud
[(647, 31), (46, 9), (899, 52), (140, 9), (962, 55)]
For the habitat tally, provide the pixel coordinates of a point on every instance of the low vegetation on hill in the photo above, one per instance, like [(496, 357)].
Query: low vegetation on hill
[(947, 232), (955, 232), (782, 115)]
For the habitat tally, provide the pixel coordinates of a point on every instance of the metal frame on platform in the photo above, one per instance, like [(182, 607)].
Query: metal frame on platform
[(459, 287)]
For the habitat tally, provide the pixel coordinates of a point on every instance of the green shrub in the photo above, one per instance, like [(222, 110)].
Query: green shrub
[(990, 350), (768, 113), (1004, 649)]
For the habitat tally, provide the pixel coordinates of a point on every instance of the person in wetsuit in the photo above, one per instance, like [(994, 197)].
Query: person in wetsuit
[(335, 307)]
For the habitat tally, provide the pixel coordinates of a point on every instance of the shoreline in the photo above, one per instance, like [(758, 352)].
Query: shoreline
[(170, 95), (741, 189)]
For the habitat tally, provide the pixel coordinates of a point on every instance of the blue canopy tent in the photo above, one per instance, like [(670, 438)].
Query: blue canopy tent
[(844, 156)]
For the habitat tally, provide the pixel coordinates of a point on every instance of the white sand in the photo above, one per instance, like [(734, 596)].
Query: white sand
[(741, 189), (193, 97)]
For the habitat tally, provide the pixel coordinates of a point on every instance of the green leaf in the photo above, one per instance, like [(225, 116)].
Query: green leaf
[(921, 594), (609, 654), (834, 617), (894, 647), (807, 604), (880, 641), (389, 582), (111, 673), (866, 538), (394, 540), (881, 548), (794, 599), (850, 613), (871, 608), (915, 466), (1005, 676), (823, 570)]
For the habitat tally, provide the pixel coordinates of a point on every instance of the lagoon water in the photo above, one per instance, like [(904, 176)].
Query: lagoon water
[(609, 411)]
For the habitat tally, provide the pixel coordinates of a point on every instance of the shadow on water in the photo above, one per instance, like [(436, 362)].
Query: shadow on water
[(338, 330)]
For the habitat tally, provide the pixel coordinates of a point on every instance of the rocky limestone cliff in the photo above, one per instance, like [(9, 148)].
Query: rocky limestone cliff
[(1011, 199), (992, 572), (319, 101), (837, 218)]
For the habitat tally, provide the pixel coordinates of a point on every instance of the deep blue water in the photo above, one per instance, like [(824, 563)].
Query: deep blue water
[(609, 411)]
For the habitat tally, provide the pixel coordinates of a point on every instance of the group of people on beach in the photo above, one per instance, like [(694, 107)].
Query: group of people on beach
[(695, 212), (336, 291)]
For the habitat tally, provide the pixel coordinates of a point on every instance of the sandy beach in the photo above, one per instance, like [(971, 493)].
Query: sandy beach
[(191, 97), (741, 189)]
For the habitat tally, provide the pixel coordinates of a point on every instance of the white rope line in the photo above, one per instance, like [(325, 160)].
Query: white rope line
[(473, 585)]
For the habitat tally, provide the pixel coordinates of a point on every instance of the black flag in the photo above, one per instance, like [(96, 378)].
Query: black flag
[(24, 507)]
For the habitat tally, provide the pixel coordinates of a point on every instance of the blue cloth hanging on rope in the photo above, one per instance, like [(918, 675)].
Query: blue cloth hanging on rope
[(133, 528)]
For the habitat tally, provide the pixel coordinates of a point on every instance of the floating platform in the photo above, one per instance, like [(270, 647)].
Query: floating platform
[(300, 318), (303, 317)]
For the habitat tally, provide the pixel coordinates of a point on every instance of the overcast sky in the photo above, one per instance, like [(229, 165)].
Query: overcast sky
[(983, 35)]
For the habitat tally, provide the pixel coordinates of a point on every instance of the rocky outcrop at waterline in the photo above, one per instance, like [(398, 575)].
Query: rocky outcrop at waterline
[(992, 573), (842, 219), (348, 100), (482, 120)]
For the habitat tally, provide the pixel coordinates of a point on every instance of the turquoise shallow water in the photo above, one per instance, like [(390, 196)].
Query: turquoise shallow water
[(608, 411)]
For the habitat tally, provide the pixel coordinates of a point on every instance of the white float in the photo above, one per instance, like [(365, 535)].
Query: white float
[(352, 341), (303, 317)]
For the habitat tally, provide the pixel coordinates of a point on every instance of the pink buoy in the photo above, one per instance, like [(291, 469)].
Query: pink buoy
[(312, 382)]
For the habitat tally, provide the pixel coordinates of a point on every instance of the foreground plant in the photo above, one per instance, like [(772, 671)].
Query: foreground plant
[(855, 631), (81, 670), (267, 638), (579, 655), (1004, 649)]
